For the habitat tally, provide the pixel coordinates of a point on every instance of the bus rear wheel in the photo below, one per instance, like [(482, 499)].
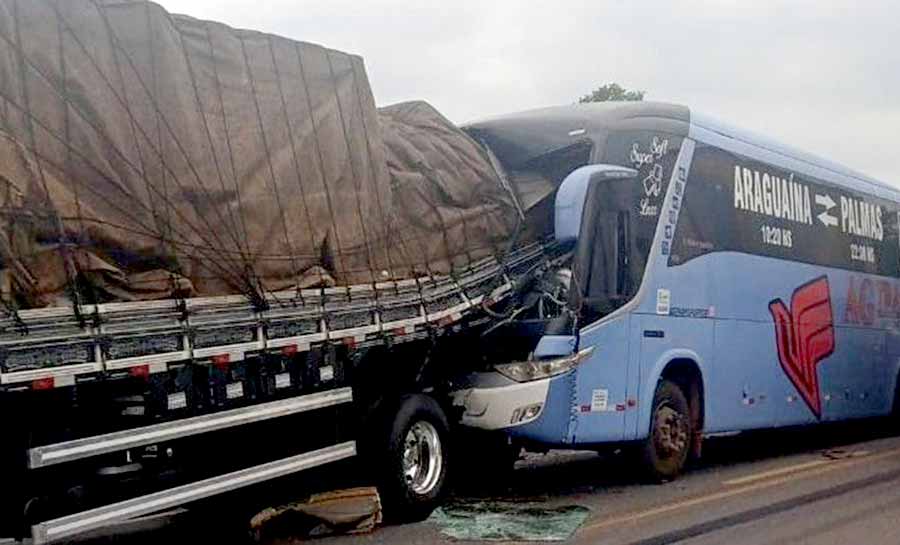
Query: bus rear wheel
[(894, 417), (665, 451)]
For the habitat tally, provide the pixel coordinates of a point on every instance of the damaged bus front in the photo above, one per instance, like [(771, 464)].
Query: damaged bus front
[(563, 370)]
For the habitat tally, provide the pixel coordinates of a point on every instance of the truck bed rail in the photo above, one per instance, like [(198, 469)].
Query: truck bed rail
[(58, 347)]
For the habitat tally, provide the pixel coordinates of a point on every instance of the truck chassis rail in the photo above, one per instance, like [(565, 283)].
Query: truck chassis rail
[(58, 347)]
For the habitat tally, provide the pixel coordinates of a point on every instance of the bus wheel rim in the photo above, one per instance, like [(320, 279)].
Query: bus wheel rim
[(671, 431)]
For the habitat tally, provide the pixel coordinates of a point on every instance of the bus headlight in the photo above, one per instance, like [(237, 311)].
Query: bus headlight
[(526, 371)]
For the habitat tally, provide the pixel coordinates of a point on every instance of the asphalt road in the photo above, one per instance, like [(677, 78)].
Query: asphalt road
[(833, 485)]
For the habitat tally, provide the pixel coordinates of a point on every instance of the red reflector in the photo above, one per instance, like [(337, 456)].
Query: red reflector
[(350, 342), (399, 331), (222, 361), (43, 384), (141, 371), (289, 350)]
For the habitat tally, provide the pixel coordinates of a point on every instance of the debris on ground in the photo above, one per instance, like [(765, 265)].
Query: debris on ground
[(351, 511), (506, 521), (841, 454)]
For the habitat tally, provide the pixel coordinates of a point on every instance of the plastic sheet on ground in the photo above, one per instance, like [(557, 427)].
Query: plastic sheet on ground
[(502, 521)]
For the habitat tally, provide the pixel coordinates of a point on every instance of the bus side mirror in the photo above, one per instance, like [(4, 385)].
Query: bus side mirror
[(571, 195)]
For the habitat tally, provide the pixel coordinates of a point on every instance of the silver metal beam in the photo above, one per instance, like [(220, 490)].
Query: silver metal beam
[(159, 433), (68, 526)]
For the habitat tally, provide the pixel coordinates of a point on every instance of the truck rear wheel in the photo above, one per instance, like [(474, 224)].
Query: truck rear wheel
[(414, 459), (666, 449)]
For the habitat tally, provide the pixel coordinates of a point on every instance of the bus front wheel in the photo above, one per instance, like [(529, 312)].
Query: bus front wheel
[(666, 449)]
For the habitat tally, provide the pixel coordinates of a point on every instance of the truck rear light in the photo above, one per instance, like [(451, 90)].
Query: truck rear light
[(140, 371), (43, 384), (289, 350), (221, 362), (445, 321)]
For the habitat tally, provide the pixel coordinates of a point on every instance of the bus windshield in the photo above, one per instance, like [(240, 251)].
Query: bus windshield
[(612, 250)]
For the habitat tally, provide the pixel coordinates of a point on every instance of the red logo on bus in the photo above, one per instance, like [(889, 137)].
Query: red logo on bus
[(804, 336)]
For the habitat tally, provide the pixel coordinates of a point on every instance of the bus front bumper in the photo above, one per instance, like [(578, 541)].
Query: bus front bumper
[(497, 403)]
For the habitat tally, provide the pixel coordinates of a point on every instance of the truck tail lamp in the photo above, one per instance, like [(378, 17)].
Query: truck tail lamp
[(47, 383), (527, 371)]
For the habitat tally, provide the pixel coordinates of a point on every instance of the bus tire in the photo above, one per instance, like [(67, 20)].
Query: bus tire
[(413, 464), (894, 417), (665, 451)]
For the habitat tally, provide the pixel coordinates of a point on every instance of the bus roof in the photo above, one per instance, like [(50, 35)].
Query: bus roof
[(521, 136), (702, 125)]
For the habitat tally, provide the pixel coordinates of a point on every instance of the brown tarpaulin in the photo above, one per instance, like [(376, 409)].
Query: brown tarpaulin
[(446, 193), (144, 155)]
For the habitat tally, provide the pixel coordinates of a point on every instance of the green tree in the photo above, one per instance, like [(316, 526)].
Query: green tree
[(611, 92)]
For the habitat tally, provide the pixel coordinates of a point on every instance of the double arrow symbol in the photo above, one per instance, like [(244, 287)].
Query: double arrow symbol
[(826, 218)]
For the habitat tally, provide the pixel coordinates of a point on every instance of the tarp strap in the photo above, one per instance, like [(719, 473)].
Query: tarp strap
[(353, 172), (122, 99), (321, 161), (387, 232), (120, 155), (68, 263), (265, 143), (228, 143), (212, 149), (73, 107), (296, 162)]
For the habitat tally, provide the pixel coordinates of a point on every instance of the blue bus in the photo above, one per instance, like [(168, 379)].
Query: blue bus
[(720, 282)]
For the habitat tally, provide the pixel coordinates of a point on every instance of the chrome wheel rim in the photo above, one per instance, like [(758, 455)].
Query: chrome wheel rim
[(422, 458)]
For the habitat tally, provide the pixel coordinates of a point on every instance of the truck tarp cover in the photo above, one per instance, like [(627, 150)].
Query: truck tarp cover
[(145, 155)]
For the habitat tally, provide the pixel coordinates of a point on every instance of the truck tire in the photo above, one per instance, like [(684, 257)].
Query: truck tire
[(666, 449), (413, 464)]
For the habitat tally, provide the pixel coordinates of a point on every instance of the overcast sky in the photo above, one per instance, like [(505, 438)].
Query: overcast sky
[(823, 75)]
